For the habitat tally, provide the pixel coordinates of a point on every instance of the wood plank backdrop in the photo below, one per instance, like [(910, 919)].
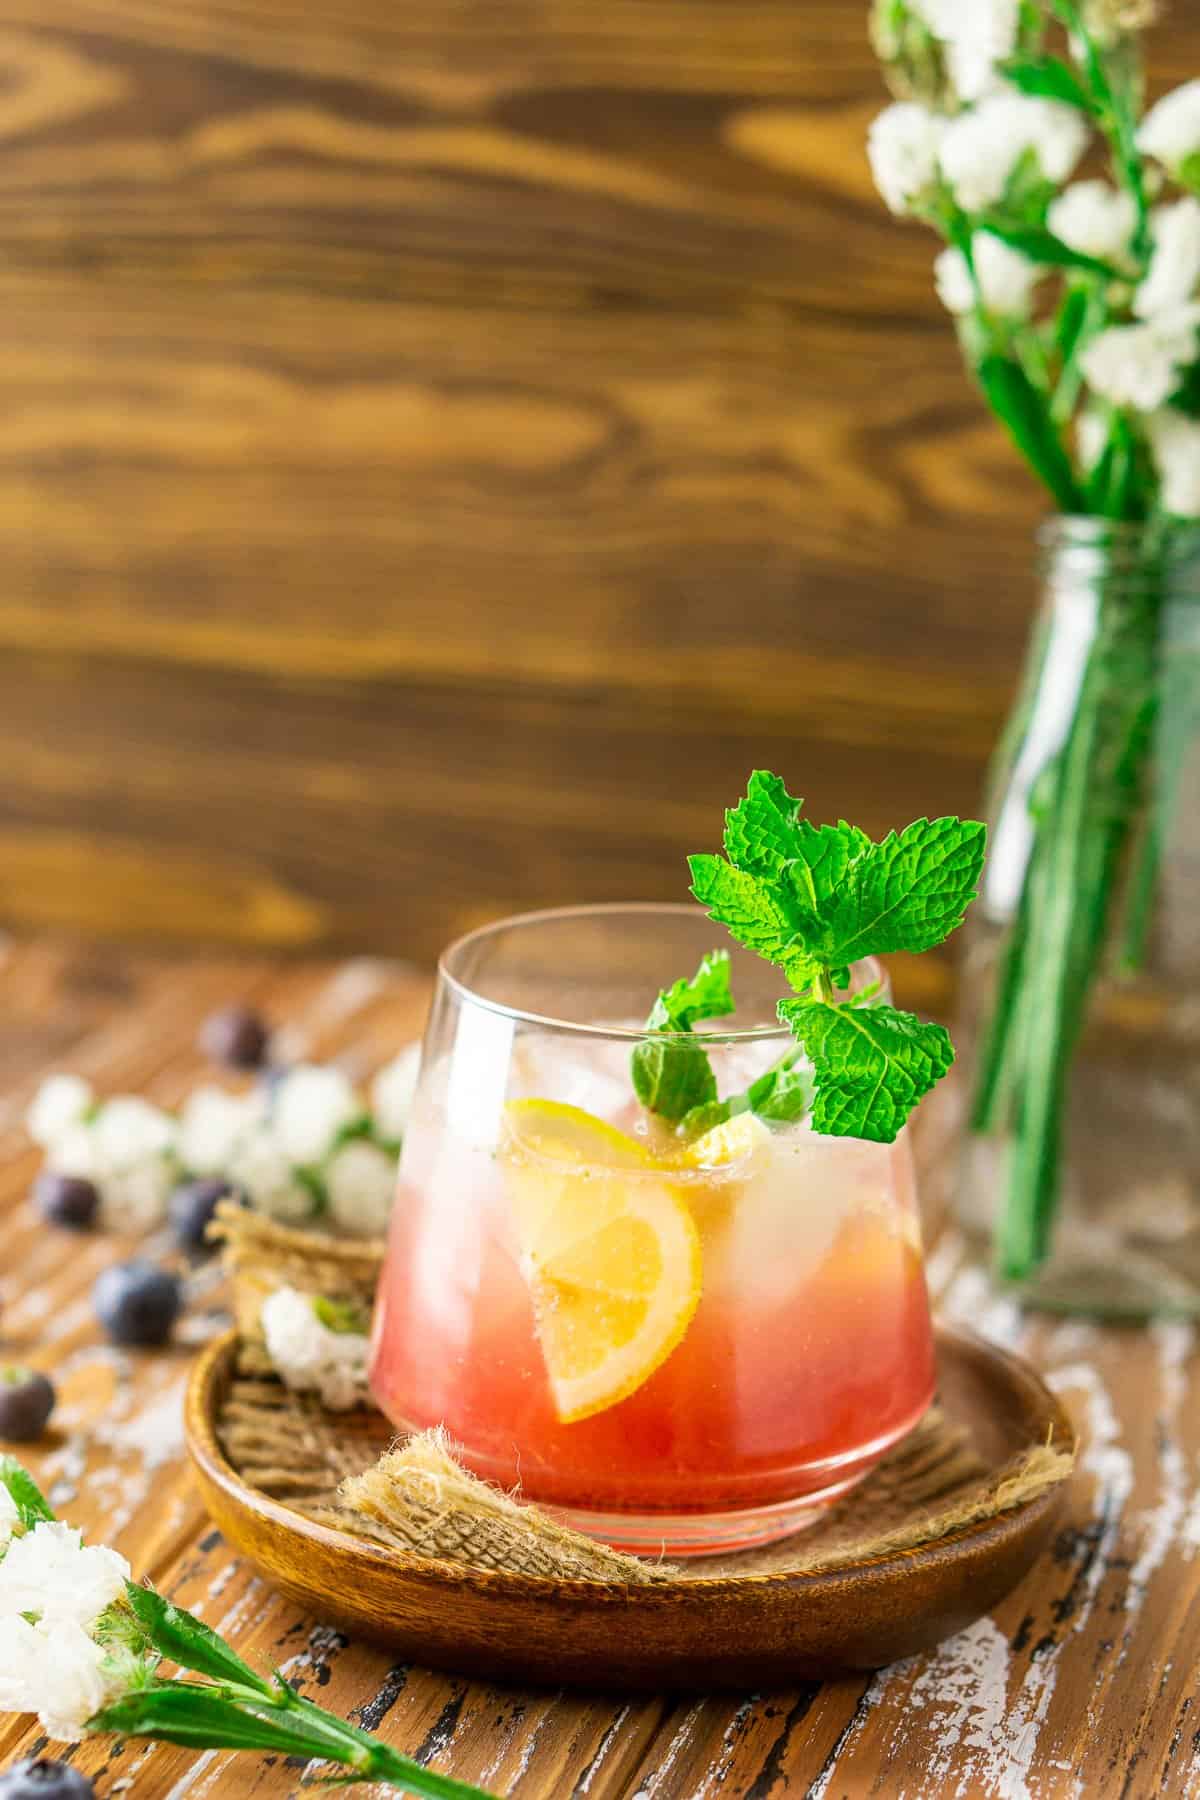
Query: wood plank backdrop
[(446, 444)]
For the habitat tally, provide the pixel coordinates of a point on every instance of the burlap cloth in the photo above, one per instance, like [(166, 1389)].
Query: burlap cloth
[(261, 1255), (341, 1471)]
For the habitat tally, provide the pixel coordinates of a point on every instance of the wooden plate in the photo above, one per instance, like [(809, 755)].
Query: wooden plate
[(740, 1631)]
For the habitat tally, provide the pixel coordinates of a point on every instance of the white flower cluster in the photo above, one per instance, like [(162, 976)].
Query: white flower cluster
[(311, 1357), (1170, 131), (284, 1147), (913, 149), (125, 1146), (54, 1593), (978, 35)]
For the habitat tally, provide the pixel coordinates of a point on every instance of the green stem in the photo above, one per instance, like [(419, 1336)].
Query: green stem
[(1071, 885), (227, 1715), (1115, 118)]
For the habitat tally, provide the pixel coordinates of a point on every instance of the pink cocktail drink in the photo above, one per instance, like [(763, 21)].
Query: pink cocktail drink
[(684, 1345)]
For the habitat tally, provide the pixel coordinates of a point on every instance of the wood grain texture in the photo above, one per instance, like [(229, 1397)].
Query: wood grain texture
[(1082, 1683), (447, 445)]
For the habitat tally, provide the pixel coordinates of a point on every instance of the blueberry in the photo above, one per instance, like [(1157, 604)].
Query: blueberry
[(137, 1303), (26, 1402), (237, 1036), (191, 1208), (67, 1200), (45, 1780)]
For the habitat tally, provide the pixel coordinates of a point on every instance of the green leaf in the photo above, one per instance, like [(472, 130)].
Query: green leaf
[(751, 909), (871, 1065), (909, 892), (782, 1095), (824, 856), (206, 1718), (672, 1079), (670, 1076), (1071, 322), (1049, 78), (704, 995), (188, 1641), (32, 1506), (1041, 246), (1018, 405), (760, 831), (1186, 398), (347, 1318)]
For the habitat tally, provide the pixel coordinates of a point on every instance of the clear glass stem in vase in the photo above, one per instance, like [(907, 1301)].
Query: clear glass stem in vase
[(1083, 1147)]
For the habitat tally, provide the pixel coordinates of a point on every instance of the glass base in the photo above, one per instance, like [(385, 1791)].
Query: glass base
[(679, 1535), (1126, 1254)]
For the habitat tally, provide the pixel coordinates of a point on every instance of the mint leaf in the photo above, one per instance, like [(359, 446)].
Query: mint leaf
[(704, 995), (781, 1095), (815, 900), (760, 832), (871, 1065), (672, 1077), (753, 911), (907, 893), (824, 854)]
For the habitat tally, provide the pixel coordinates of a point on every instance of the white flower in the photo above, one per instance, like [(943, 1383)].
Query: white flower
[(903, 145), (1170, 131), (59, 1104), (308, 1356), (213, 1124), (129, 1130), (1140, 365), (59, 1672), (1175, 265), (1006, 278), (311, 1105), (1094, 219), (268, 1178), (135, 1199), (127, 1150), (361, 1181), (1091, 437), (52, 1573), (9, 1518), (392, 1092), (977, 34), (1175, 441), (982, 146)]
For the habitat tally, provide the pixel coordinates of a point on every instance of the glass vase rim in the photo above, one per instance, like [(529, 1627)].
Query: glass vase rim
[(631, 1034), (1092, 531)]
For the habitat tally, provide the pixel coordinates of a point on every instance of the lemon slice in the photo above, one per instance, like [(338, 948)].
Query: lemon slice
[(609, 1250), (744, 1138)]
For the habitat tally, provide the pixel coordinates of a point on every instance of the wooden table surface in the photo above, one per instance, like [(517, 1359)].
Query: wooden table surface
[(1084, 1683)]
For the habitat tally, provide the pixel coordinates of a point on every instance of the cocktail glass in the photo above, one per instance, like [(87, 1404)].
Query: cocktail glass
[(676, 1345)]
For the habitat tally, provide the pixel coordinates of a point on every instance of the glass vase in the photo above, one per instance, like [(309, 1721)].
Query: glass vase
[(1082, 1031)]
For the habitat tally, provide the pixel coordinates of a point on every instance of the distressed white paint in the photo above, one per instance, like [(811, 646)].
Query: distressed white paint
[(680, 1740), (602, 1754), (1103, 1458), (1161, 1523)]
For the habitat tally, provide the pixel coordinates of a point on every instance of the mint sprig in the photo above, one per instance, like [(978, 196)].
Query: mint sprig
[(816, 899)]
